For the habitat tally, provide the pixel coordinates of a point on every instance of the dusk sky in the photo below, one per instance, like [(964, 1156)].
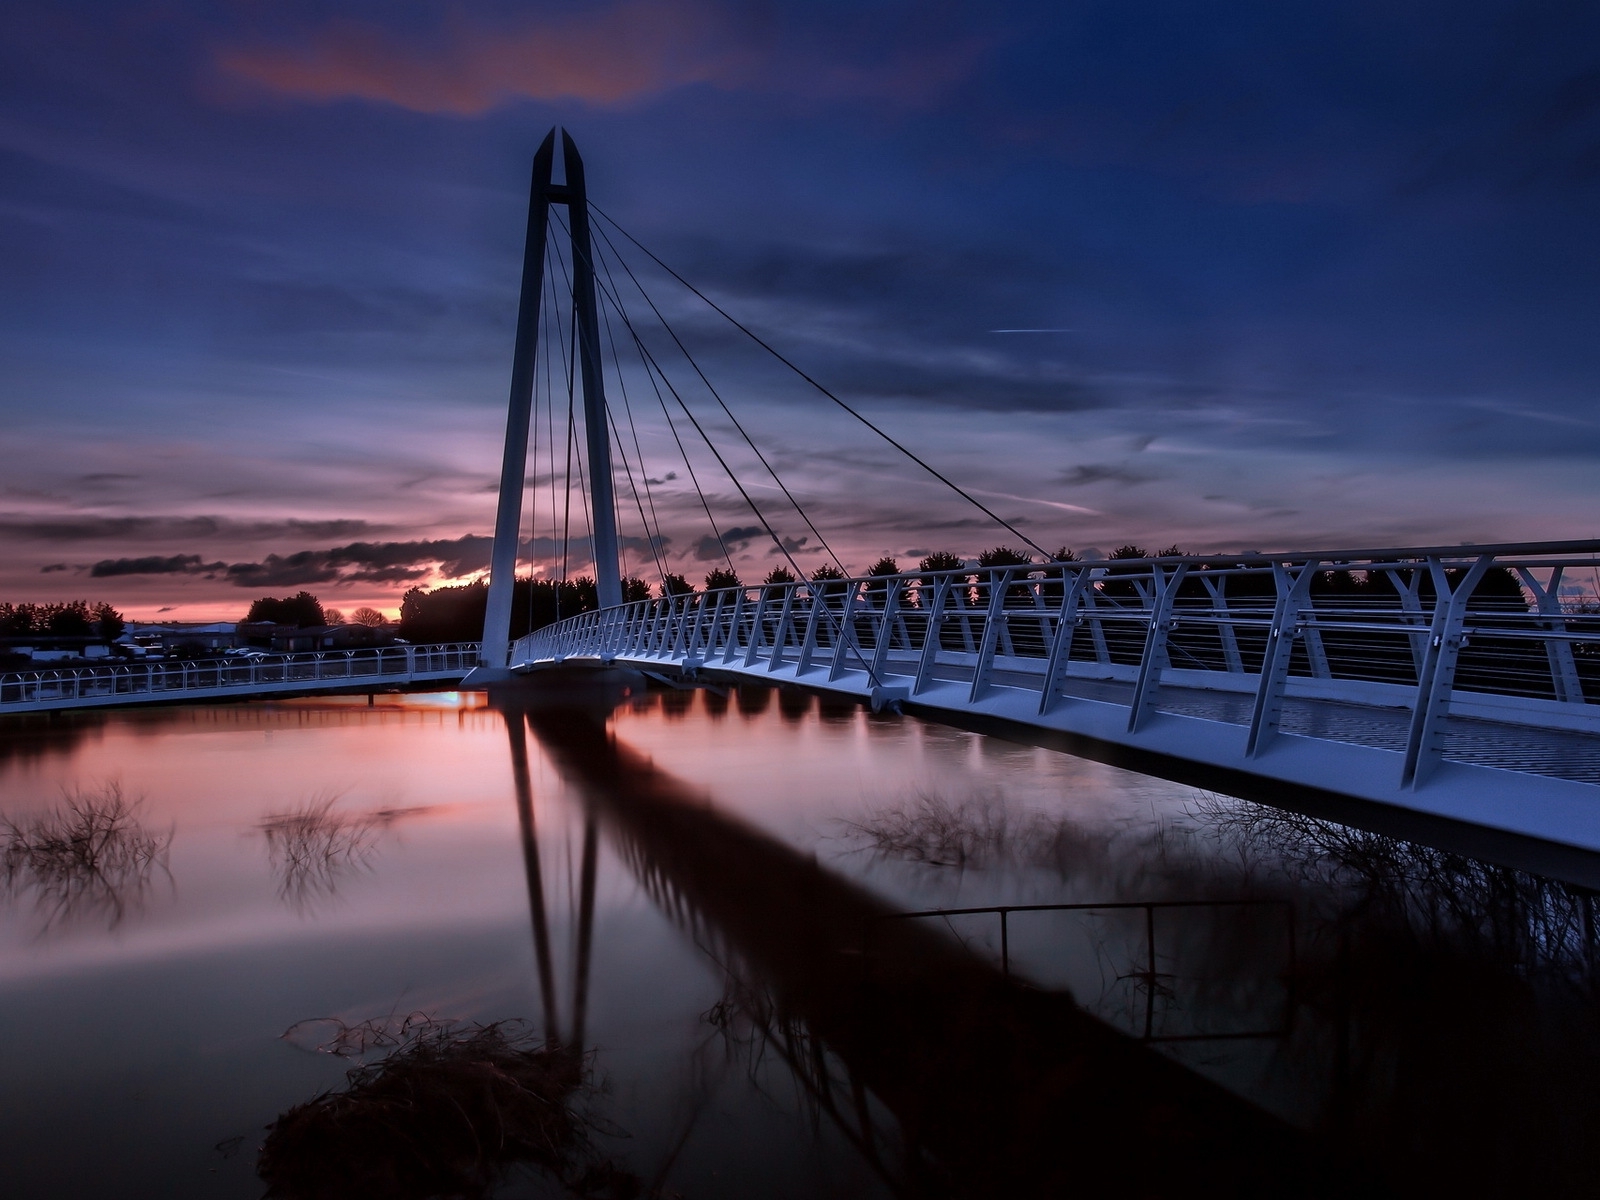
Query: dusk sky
[(1292, 276)]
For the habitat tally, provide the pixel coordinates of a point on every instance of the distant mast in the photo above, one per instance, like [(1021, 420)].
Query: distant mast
[(543, 192)]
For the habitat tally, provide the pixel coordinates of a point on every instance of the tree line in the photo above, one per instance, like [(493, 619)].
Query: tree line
[(305, 611), (62, 619)]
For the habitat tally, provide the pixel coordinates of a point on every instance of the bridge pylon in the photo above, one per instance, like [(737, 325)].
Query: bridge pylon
[(542, 193)]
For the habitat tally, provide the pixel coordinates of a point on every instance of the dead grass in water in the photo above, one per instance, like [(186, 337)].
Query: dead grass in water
[(449, 1112), (88, 855)]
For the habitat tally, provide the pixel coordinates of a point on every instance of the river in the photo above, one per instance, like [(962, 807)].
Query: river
[(215, 914)]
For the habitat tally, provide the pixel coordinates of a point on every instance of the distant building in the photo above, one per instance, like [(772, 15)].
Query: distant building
[(181, 637), (289, 639)]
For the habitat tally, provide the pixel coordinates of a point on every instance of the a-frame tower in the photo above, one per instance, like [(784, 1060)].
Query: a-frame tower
[(544, 191)]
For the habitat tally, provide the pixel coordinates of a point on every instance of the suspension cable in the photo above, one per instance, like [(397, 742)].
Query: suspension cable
[(710, 445), (652, 538), (533, 492), (715, 395), (683, 450), (583, 485), (753, 336), (550, 421), (627, 468)]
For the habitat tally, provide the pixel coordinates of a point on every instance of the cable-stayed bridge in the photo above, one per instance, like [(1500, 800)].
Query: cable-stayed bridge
[(1449, 681), (1460, 682)]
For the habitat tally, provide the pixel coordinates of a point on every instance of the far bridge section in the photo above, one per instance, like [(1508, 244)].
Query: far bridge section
[(1449, 681), (179, 680)]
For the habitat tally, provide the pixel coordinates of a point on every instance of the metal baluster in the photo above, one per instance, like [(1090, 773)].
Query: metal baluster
[(1432, 705), (1055, 671), (1293, 591), (1155, 658), (991, 632), (931, 636)]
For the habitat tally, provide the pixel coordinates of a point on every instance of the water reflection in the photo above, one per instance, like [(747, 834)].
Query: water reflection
[(994, 1088), (38, 736), (753, 701), (926, 827), (794, 705), (1441, 1025), (88, 856), (1443, 1009), (314, 850), (451, 1111)]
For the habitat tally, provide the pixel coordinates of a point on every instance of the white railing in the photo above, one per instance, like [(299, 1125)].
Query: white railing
[(175, 679), (1475, 631)]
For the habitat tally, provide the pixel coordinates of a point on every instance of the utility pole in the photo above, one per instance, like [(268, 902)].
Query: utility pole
[(494, 656)]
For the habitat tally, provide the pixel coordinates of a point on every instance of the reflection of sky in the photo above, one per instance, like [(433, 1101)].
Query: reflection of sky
[(1325, 276), (432, 774), (144, 1034)]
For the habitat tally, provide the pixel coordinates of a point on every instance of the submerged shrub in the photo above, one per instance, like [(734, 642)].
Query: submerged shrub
[(88, 854), (449, 1112)]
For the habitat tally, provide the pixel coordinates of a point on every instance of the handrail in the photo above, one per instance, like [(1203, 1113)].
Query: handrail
[(129, 682), (1423, 630)]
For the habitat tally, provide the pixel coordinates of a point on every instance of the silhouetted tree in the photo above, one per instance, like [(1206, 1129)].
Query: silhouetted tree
[(455, 614), (301, 609), (939, 560), (634, 590), (109, 622), (65, 618), (884, 566), (446, 614), (68, 620), (825, 575), (1007, 556), (1118, 589), (720, 578), (1055, 586), (676, 585), (942, 560), (369, 616), (1004, 556), (779, 575)]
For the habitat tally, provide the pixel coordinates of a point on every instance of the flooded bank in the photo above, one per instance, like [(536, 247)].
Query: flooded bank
[(715, 930)]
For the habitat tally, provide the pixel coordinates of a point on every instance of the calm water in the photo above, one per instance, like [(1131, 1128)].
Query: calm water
[(703, 892)]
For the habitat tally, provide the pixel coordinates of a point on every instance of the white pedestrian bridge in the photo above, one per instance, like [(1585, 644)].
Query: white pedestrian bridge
[(1447, 681), (173, 680)]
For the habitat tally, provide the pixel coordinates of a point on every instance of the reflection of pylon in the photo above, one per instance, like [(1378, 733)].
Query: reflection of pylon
[(968, 1063), (517, 731)]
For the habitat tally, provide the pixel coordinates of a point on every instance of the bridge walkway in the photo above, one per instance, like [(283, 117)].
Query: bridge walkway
[(174, 681), (1405, 688)]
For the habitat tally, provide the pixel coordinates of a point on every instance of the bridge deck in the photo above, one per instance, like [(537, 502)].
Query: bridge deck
[(169, 682), (1475, 708)]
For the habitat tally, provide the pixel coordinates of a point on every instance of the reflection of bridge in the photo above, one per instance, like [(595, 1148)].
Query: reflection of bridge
[(989, 1087), (318, 672), (1447, 681)]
